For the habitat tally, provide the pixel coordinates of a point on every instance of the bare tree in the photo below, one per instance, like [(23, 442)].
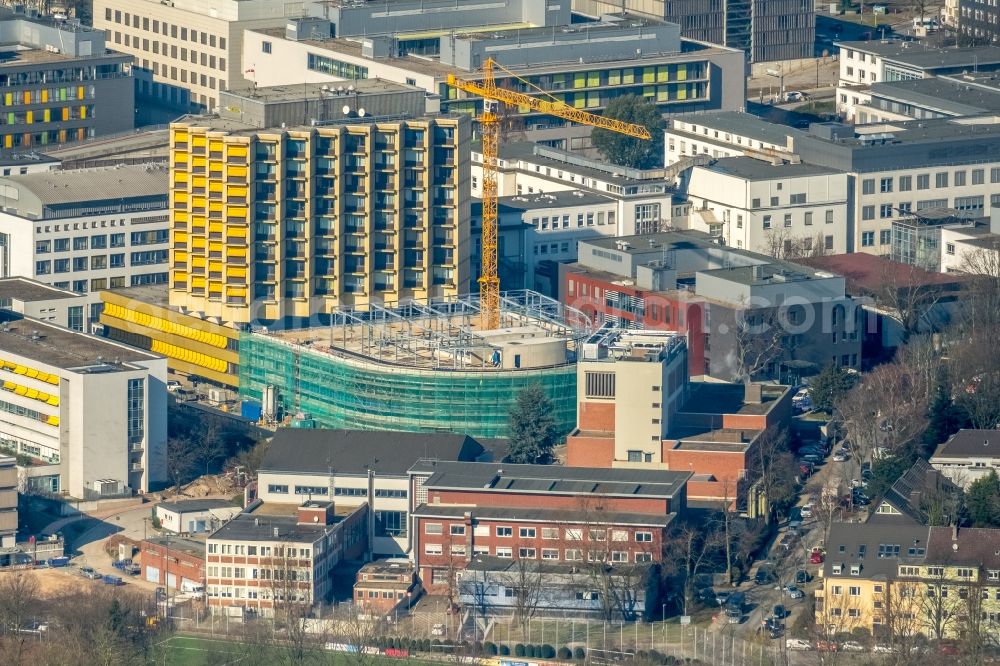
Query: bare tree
[(781, 243), (356, 633), (982, 289), (689, 549), (289, 586), (19, 601), (906, 296), (758, 341), (773, 465), (897, 605), (524, 579), (181, 461), (940, 603)]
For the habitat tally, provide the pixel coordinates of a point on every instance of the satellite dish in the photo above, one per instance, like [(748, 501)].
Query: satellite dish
[(346, 110), (361, 113)]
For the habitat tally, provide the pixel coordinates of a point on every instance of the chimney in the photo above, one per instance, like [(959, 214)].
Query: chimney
[(315, 512), (954, 532), (753, 394), (369, 552)]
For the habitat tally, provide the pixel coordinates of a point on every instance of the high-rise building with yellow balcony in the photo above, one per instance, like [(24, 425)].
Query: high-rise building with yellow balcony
[(286, 223)]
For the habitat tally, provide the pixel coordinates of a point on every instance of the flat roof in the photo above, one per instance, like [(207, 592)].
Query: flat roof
[(154, 294), (95, 184), (258, 525), (964, 98), (530, 514), (927, 56), (562, 199), (737, 122), (730, 398), (195, 505), (529, 151), (869, 273), (556, 479), (749, 168), (28, 290), (312, 91), (189, 546), (320, 451), (65, 348), (433, 67)]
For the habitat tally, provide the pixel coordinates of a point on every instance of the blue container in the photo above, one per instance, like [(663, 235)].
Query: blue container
[(251, 410)]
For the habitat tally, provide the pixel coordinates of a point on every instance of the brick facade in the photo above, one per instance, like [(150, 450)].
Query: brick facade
[(171, 563)]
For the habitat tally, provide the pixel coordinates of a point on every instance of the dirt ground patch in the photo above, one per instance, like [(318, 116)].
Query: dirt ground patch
[(51, 582)]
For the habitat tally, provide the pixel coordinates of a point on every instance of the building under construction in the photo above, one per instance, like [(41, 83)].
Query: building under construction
[(419, 366)]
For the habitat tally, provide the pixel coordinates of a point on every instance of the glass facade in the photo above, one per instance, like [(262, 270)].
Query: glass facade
[(136, 409), (340, 393)]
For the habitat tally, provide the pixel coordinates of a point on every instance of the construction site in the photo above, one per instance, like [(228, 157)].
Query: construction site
[(418, 366)]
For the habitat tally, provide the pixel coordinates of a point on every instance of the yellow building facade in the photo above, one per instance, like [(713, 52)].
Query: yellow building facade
[(284, 224), (192, 346)]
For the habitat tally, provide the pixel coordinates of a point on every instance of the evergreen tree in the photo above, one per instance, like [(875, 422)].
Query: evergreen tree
[(982, 501), (626, 150), (944, 418), (829, 386), (532, 427)]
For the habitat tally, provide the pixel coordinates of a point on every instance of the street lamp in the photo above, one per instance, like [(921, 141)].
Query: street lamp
[(780, 75)]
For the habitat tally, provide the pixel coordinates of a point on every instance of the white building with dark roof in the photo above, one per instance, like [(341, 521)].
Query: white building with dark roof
[(91, 414), (303, 464), (86, 229), (968, 455)]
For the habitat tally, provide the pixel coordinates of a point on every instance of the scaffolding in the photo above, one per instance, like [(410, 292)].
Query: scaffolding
[(415, 367)]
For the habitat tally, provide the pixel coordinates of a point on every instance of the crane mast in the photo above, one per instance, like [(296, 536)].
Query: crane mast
[(489, 123)]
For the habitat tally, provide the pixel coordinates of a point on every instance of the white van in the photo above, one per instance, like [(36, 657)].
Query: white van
[(192, 588)]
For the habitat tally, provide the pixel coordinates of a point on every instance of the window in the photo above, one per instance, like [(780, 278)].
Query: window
[(808, 218), (633, 455), (774, 201), (277, 489), (885, 185), (505, 531), (643, 557), (837, 590), (978, 176), (867, 238), (868, 212), (457, 549), (265, 47), (80, 243), (573, 555), (390, 523), (600, 384), (854, 591), (61, 245), (949, 248), (923, 181), (885, 210), (311, 490), (550, 554), (526, 553), (619, 556), (433, 549), (941, 179), (433, 528), (457, 530), (797, 199), (788, 219), (885, 236), (526, 532), (619, 535), (868, 186), (767, 222), (598, 535), (755, 203), (573, 534), (905, 183), (959, 178), (550, 532), (829, 217), (505, 552), (964, 573), (644, 537)]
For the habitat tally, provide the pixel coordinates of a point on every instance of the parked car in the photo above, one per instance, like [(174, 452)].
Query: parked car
[(813, 458), (721, 598), (764, 576), (858, 483), (812, 450), (787, 541), (826, 646), (173, 385), (852, 646), (798, 644), (794, 96), (802, 577), (806, 468), (88, 572), (883, 649), (706, 595), (841, 456), (780, 612), (807, 510), (776, 631), (794, 592), (817, 555)]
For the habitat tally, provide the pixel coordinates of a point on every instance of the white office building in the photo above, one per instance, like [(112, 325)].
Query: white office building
[(86, 229), (30, 298), (91, 413), (783, 210)]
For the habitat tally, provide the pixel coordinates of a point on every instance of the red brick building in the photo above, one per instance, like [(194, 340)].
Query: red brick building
[(543, 513), (172, 562), (386, 586)]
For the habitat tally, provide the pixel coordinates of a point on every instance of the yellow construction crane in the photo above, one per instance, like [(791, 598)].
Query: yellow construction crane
[(489, 124)]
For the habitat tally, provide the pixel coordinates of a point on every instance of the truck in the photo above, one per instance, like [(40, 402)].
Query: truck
[(734, 607), (58, 562), (192, 588), (113, 580), (132, 569)]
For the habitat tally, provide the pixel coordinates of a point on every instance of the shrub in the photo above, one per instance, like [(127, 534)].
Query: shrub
[(642, 655), (531, 651), (519, 650), (426, 645), (669, 660), (565, 653), (436, 642), (490, 649), (504, 650), (579, 653)]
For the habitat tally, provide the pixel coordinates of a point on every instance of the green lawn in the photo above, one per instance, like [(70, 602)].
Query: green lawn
[(199, 651)]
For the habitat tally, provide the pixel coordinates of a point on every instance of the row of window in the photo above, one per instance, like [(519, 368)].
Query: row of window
[(570, 534), (116, 282), (99, 262), (807, 219), (282, 489), (591, 219), (101, 241), (164, 28), (550, 554), (261, 551), (942, 179), (253, 573)]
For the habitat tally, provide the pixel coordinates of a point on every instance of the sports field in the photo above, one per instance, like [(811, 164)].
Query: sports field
[(199, 651)]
